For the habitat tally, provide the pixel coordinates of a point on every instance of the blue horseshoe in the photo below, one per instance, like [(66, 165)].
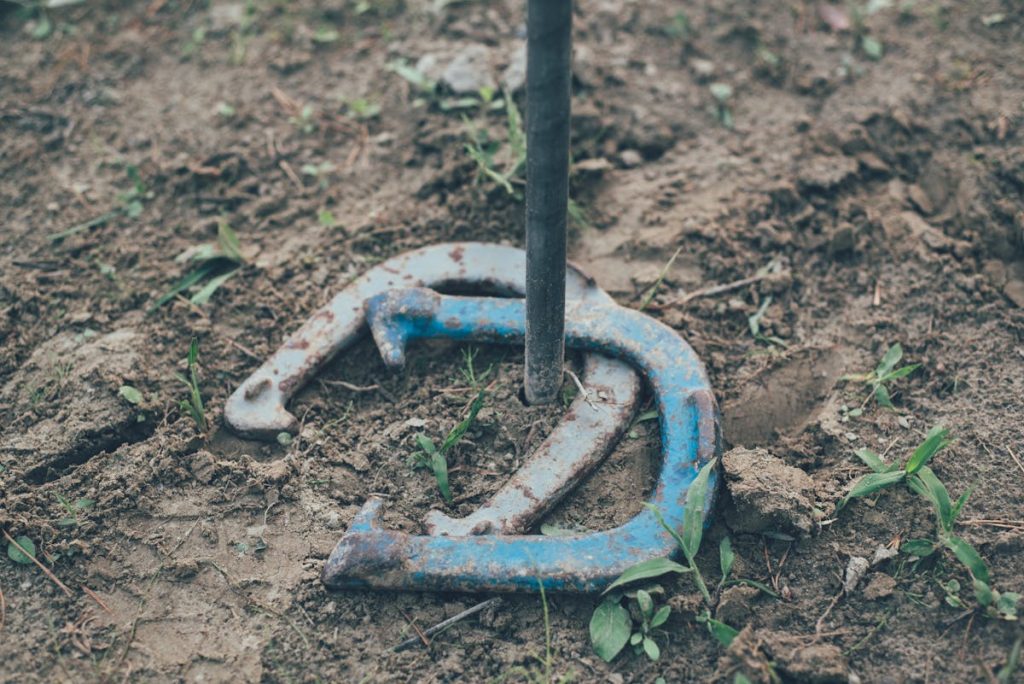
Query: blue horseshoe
[(369, 556)]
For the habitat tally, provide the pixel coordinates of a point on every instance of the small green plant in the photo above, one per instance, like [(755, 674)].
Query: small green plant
[(73, 510), (130, 204), (920, 479), (25, 554), (468, 370), (722, 92), (611, 626), (544, 675), (363, 109), (886, 475), (886, 372), (305, 120), (214, 263), (434, 458), (754, 323), (503, 162), (193, 406), (645, 300)]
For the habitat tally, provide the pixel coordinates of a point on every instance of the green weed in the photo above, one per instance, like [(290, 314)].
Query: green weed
[(921, 480), (886, 372), (193, 405), (215, 262), (434, 458), (501, 161), (73, 510), (130, 204)]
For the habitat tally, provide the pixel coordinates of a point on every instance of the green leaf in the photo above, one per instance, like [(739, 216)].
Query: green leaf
[(610, 628), (660, 617), (693, 515), (439, 465), (882, 396), (892, 356), (959, 505), (203, 296), (725, 557), (655, 567), (925, 483), (15, 554), (761, 586), (130, 394), (426, 444), (83, 504), (741, 678), (871, 483), (1006, 604), (459, 430), (922, 548), (901, 373), (1005, 675), (982, 592), (188, 281), (872, 47), (932, 444), (325, 217), (636, 638), (228, 242), (646, 604), (721, 91), (966, 554), (871, 460), (651, 649), (721, 631)]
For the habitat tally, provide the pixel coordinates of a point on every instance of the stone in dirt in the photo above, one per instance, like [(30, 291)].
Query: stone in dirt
[(766, 493)]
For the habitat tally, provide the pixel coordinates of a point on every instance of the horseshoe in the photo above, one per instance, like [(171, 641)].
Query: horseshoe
[(586, 434), (369, 556)]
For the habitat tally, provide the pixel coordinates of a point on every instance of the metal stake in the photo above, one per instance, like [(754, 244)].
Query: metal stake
[(548, 54)]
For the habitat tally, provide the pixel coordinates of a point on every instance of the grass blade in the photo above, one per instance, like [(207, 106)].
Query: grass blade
[(889, 361), (726, 557), (871, 460), (966, 554), (933, 443), (656, 567), (872, 483), (693, 515)]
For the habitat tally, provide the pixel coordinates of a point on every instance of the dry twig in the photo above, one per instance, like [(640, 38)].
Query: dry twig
[(46, 570), (445, 624)]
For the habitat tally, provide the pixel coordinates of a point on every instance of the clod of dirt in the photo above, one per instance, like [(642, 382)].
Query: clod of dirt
[(782, 399), (73, 384), (744, 656), (734, 607), (814, 664), (879, 586), (766, 493)]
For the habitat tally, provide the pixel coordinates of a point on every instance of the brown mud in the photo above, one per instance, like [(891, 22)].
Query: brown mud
[(883, 198)]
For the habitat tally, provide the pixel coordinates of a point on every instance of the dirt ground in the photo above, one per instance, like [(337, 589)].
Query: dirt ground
[(873, 165)]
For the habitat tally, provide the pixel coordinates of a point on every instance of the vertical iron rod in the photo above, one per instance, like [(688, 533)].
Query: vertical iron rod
[(548, 73)]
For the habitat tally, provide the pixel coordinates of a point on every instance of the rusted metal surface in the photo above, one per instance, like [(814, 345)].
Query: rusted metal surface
[(583, 438), (586, 434), (257, 408), (369, 556)]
